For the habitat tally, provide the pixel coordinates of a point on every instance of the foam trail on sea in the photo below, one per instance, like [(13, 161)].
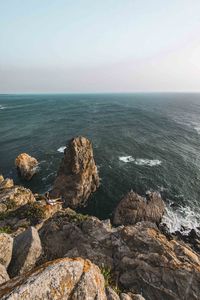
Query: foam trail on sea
[(140, 161), (2, 107), (61, 149), (183, 217)]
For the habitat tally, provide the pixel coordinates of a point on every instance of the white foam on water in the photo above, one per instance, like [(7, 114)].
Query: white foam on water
[(2, 107), (181, 217), (126, 159), (140, 161), (61, 149), (147, 162)]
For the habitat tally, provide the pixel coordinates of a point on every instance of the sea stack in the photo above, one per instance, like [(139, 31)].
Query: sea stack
[(26, 165), (77, 176)]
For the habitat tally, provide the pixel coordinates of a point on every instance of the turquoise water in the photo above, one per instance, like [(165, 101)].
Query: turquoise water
[(141, 142)]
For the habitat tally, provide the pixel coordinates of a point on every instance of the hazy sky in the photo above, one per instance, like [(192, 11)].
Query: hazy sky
[(99, 45)]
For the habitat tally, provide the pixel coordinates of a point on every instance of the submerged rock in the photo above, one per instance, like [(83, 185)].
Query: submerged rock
[(27, 166), (6, 246), (65, 278), (77, 176), (26, 250), (134, 208)]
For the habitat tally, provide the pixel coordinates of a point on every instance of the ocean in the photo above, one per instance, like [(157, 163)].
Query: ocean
[(141, 142)]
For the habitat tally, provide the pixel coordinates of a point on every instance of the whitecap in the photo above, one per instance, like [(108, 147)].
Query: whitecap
[(126, 158), (2, 107), (183, 217), (61, 149), (140, 161)]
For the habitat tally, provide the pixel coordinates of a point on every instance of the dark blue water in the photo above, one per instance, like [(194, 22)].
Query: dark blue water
[(141, 142)]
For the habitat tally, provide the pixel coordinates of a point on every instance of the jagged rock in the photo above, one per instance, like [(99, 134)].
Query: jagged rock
[(6, 183), (158, 268), (6, 246), (13, 197), (64, 278), (26, 250), (134, 208), (3, 274), (26, 165), (143, 259), (70, 234), (77, 176)]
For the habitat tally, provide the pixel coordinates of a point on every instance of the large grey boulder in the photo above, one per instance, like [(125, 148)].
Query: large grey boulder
[(133, 208), (26, 250), (6, 246), (65, 278)]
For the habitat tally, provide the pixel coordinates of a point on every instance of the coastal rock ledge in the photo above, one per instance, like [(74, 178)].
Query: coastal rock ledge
[(77, 176)]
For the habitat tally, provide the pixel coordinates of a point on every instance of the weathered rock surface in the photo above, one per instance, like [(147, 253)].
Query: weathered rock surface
[(6, 183), (134, 208), (3, 274), (14, 196), (65, 278), (77, 176), (27, 166), (6, 246), (26, 250), (143, 259)]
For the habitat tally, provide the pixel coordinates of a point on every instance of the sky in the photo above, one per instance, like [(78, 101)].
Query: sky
[(99, 46)]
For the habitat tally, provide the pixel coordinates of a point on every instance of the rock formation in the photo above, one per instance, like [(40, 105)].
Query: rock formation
[(65, 278), (142, 258), (26, 165), (77, 176), (26, 250), (3, 274), (134, 208), (6, 246)]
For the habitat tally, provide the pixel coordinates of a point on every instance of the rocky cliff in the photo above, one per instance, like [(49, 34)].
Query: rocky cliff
[(52, 252)]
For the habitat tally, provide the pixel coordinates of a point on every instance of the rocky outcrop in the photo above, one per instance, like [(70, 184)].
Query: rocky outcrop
[(65, 278), (26, 250), (143, 259), (12, 197), (3, 274), (77, 176), (6, 246), (134, 208), (26, 165)]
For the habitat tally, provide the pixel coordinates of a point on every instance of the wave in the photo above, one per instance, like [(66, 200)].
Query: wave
[(2, 107), (61, 149), (184, 219), (141, 161)]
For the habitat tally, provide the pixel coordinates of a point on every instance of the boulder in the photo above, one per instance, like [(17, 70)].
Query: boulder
[(111, 294), (77, 177), (6, 246), (14, 197), (6, 183), (134, 208), (65, 278), (26, 250), (26, 165), (3, 274)]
